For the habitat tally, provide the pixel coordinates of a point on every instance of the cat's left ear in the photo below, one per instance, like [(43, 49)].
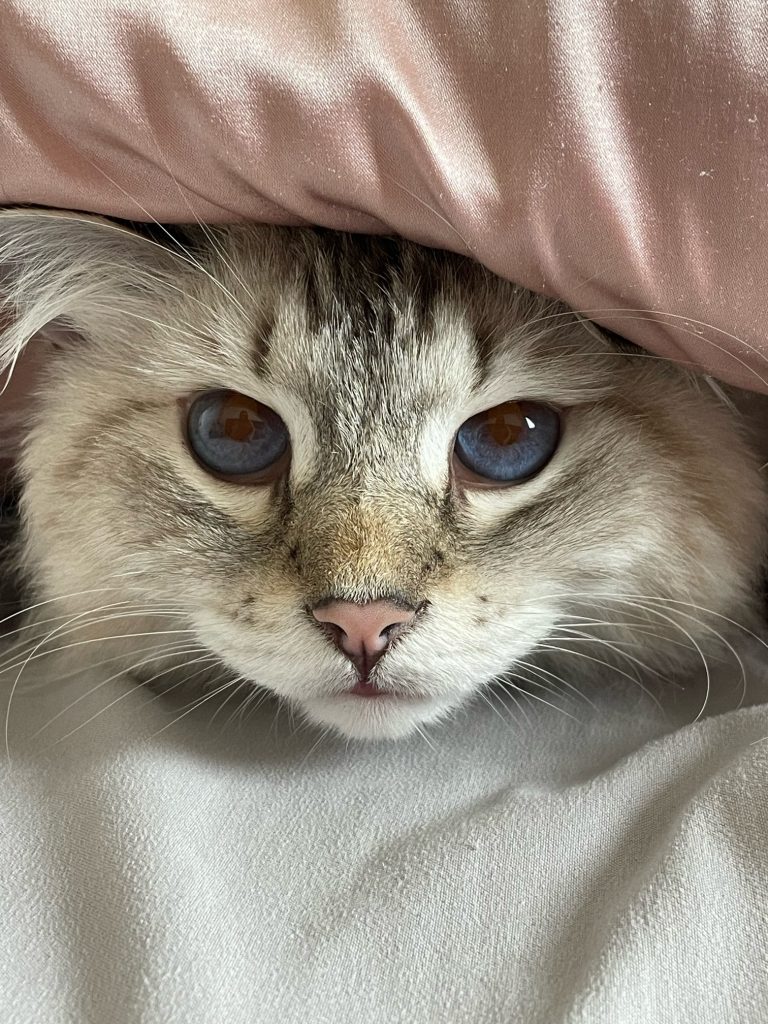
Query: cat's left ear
[(66, 276)]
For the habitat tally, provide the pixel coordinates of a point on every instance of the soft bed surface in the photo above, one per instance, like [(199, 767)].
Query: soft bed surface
[(608, 867)]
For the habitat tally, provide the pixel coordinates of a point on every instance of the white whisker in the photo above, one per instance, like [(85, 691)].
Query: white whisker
[(195, 705), (187, 254), (126, 671), (207, 658)]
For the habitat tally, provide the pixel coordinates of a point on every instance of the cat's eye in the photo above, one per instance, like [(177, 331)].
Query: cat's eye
[(236, 437), (507, 444)]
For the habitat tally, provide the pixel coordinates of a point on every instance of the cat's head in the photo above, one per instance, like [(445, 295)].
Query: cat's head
[(367, 476)]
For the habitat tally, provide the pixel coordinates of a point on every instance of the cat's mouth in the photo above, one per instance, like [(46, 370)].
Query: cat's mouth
[(368, 688)]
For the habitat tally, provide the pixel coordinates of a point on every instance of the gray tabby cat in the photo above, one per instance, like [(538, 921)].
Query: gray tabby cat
[(368, 477)]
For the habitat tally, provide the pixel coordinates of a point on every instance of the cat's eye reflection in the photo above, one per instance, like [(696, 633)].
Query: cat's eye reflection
[(507, 444), (236, 437)]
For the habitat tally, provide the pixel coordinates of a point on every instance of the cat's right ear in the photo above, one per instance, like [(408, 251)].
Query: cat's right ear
[(68, 276)]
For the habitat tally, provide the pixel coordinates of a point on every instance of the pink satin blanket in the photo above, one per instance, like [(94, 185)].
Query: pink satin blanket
[(611, 154)]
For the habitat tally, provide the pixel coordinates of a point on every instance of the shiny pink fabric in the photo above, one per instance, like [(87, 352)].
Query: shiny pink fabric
[(612, 154)]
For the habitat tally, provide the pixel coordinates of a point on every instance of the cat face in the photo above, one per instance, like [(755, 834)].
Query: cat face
[(367, 477)]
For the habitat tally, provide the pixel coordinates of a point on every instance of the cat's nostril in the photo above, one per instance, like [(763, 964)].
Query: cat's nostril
[(363, 632)]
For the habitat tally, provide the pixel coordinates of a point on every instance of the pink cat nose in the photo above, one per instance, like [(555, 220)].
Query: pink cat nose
[(363, 631)]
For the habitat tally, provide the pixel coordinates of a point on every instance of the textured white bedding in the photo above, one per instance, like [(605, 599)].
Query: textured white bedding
[(538, 871)]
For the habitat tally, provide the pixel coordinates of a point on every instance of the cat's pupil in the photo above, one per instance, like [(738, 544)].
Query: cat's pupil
[(236, 436), (240, 427), (505, 423), (510, 443)]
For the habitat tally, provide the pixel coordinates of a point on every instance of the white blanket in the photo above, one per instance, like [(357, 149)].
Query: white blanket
[(536, 869)]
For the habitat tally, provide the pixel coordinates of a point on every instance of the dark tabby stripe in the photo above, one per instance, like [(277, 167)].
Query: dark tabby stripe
[(365, 279)]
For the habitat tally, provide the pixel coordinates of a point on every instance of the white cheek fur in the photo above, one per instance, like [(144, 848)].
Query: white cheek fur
[(439, 666)]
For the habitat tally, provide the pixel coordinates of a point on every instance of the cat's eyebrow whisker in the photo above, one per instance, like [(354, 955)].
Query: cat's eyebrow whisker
[(609, 354), (174, 329), (610, 310), (708, 341), (626, 313), (431, 209), (167, 285), (189, 258), (222, 256), (207, 233), (152, 279)]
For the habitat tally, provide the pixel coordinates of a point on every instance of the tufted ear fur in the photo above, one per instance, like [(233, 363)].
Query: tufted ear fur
[(75, 275)]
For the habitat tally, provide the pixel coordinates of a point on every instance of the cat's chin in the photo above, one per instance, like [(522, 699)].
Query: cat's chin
[(386, 717)]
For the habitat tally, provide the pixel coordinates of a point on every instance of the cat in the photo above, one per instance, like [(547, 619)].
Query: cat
[(365, 476)]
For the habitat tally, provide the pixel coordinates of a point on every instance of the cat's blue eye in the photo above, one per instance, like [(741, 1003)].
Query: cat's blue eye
[(507, 444), (235, 436)]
